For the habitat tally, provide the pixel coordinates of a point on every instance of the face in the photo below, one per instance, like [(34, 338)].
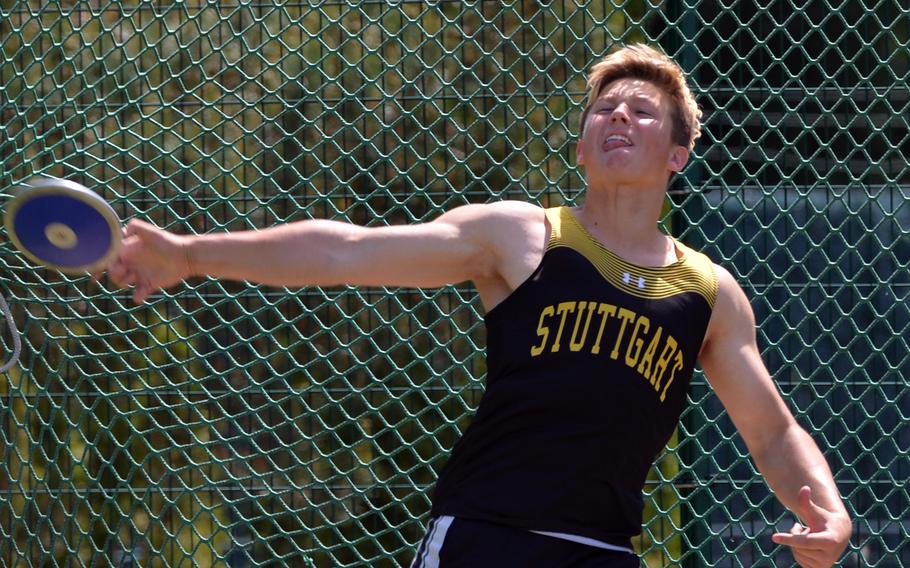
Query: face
[(628, 135)]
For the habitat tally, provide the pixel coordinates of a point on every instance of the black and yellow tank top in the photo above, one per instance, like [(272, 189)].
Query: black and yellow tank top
[(589, 362)]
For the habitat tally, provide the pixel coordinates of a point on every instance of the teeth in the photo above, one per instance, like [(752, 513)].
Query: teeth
[(621, 138)]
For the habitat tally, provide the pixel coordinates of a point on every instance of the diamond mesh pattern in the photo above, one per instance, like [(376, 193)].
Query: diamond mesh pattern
[(235, 425)]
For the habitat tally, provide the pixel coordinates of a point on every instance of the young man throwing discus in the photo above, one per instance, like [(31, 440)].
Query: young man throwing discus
[(595, 321)]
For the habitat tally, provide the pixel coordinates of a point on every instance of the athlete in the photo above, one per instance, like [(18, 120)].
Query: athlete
[(595, 321)]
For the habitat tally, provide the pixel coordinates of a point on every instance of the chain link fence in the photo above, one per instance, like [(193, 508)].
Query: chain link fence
[(234, 425)]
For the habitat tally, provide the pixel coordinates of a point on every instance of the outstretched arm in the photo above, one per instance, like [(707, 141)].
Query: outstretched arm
[(784, 453), (466, 243)]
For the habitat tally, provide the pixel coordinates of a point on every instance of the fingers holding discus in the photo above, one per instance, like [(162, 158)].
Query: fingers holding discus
[(63, 225), (67, 227)]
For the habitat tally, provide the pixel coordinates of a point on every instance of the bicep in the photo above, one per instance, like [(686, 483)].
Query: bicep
[(450, 249), (733, 366)]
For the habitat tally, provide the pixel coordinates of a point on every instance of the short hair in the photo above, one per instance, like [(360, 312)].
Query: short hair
[(639, 61)]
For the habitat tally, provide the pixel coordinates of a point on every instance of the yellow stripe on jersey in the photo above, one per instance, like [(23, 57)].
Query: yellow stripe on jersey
[(694, 272)]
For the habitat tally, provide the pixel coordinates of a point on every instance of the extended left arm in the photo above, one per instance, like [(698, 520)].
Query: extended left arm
[(784, 453)]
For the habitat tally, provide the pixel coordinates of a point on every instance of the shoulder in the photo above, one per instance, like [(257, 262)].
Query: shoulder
[(726, 283), (732, 314), (730, 294), (507, 239), (509, 210), (496, 222)]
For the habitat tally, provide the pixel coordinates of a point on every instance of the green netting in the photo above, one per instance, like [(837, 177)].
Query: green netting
[(235, 425)]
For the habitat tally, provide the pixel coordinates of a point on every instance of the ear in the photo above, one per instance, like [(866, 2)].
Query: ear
[(579, 153), (679, 157)]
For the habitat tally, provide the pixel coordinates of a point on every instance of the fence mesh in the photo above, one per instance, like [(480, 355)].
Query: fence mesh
[(229, 424)]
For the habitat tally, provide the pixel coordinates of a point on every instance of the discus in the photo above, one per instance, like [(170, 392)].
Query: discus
[(62, 225)]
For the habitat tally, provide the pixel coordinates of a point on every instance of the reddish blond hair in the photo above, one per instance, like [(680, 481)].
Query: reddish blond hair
[(639, 61)]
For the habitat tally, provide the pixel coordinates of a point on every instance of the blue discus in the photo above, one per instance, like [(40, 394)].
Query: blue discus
[(63, 225)]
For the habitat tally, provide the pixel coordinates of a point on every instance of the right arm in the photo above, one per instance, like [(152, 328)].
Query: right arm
[(467, 243)]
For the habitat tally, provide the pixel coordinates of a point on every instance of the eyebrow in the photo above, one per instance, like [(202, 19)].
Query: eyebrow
[(636, 98)]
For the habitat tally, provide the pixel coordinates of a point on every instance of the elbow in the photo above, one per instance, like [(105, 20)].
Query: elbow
[(309, 253), (336, 261), (772, 437)]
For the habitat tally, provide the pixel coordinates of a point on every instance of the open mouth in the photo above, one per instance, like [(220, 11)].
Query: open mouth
[(615, 141)]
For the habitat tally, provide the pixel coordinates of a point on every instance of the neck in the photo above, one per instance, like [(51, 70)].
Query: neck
[(624, 219)]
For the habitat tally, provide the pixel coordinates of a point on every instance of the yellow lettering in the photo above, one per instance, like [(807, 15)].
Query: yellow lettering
[(542, 331), (661, 366), (576, 344), (644, 367), (635, 342), (607, 310), (564, 309), (677, 366), (626, 316)]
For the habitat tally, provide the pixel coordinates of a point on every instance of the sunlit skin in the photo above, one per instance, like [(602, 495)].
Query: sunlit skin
[(627, 180)]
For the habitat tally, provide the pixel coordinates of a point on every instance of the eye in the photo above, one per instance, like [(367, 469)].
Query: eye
[(644, 112)]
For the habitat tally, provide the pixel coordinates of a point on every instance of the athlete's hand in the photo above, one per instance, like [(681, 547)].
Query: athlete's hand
[(150, 258), (823, 540)]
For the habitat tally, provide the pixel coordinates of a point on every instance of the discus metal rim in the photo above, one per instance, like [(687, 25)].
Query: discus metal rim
[(38, 187)]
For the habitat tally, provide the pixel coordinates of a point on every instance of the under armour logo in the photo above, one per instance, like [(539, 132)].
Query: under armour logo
[(627, 278)]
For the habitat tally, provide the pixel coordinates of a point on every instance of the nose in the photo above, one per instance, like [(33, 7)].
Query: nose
[(620, 113)]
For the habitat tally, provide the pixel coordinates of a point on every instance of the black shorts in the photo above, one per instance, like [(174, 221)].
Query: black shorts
[(463, 543)]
